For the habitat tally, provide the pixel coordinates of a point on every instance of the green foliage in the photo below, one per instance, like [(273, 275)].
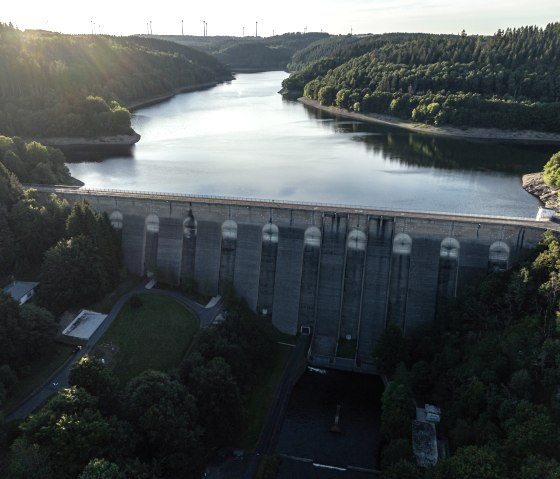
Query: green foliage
[(240, 340), (391, 348), (72, 275), (25, 332), (80, 270), (536, 467), (91, 374), (35, 228), (70, 430), (249, 52), (396, 450), (101, 469), (470, 462), (552, 170), (74, 85), (403, 469), (33, 162), (504, 81), (492, 367), (10, 188), (397, 411), (27, 460), (166, 417), (217, 397)]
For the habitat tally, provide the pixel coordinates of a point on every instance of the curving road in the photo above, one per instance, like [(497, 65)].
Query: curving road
[(59, 380)]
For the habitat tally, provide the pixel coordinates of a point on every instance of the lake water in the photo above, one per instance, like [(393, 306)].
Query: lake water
[(243, 139)]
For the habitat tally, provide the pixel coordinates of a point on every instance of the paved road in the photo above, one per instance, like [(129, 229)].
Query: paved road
[(60, 379)]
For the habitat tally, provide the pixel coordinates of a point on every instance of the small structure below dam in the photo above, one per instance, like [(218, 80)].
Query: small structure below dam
[(331, 271)]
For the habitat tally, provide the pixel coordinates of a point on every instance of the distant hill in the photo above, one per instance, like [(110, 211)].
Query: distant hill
[(78, 85), (250, 53), (509, 80)]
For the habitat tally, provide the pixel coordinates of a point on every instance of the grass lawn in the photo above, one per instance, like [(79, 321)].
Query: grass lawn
[(154, 336), (346, 348), (38, 374), (259, 400)]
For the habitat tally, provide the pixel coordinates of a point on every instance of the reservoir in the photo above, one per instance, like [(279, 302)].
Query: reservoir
[(242, 139)]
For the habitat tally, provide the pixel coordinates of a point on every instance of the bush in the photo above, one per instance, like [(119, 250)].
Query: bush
[(136, 302), (552, 170)]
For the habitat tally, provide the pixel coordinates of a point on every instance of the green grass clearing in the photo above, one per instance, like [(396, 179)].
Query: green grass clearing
[(347, 348), (258, 402), (38, 374), (154, 336)]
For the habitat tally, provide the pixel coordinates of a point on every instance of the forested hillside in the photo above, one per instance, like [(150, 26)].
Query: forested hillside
[(251, 53), (508, 80), (492, 365), (76, 85)]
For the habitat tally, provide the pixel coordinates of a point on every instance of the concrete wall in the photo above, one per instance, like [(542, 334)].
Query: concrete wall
[(339, 273)]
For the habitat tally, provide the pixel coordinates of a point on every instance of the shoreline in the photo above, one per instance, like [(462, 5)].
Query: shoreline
[(488, 134), (137, 105), (81, 142), (122, 140), (533, 183)]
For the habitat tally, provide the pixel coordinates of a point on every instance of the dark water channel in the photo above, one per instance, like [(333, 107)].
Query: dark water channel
[(242, 139), (306, 435)]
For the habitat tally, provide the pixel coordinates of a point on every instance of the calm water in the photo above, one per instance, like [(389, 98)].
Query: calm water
[(242, 139)]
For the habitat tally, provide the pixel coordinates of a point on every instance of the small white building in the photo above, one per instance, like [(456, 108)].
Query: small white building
[(84, 325), (545, 214), (21, 291)]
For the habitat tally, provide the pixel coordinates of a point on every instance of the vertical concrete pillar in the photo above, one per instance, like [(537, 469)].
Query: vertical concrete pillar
[(309, 276), (227, 257), (208, 249), (331, 272), (267, 274), (116, 220), (170, 246), (247, 263), (448, 270), (189, 250), (356, 245), (151, 249), (376, 285), (287, 283), (133, 243), (398, 284)]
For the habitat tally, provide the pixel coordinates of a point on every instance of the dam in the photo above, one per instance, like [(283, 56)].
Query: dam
[(330, 271)]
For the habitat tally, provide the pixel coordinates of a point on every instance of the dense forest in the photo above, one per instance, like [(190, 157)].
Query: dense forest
[(249, 52), (508, 80), (33, 162), (78, 85), (158, 425), (492, 364)]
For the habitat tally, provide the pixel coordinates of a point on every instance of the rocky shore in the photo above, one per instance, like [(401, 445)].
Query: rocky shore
[(72, 142), (534, 183), (490, 134)]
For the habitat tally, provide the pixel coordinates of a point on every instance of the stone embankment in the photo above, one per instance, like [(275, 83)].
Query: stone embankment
[(113, 140), (534, 183)]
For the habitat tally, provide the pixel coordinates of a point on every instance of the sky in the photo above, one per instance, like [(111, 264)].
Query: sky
[(235, 17)]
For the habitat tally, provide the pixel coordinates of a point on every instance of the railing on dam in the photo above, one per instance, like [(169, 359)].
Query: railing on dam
[(290, 204)]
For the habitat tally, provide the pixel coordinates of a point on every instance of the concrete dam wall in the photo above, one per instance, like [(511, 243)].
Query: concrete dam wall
[(341, 272)]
